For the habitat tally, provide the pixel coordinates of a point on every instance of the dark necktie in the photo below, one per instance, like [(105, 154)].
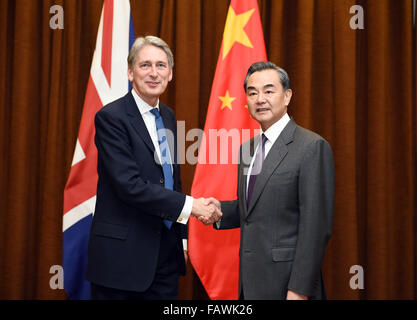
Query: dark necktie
[(165, 155), (256, 168)]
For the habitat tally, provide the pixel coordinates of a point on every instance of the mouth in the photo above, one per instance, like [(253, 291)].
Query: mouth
[(262, 110), (152, 83)]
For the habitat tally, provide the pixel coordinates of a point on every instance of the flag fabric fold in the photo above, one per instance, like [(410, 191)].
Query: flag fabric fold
[(107, 82), (215, 254)]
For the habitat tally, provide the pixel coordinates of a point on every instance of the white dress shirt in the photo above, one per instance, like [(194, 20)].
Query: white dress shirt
[(272, 134), (149, 119)]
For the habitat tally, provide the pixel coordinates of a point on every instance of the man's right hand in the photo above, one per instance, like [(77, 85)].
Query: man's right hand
[(206, 211)]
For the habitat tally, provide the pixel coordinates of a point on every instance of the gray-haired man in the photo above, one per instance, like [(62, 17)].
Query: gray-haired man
[(138, 234)]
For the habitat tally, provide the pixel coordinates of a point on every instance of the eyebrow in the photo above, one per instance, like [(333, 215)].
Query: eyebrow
[(150, 61), (269, 85)]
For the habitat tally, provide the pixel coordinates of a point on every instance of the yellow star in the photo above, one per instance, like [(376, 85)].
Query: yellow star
[(227, 101), (233, 30)]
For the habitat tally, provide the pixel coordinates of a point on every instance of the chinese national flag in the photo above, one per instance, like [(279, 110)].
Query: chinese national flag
[(215, 254)]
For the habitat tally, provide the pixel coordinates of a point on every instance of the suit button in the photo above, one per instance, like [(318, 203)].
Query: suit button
[(161, 180)]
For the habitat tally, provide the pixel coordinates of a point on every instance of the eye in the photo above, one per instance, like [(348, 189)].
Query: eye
[(269, 92), (161, 65), (144, 65), (252, 94)]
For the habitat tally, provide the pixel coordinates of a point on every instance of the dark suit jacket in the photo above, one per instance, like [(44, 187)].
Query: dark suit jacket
[(285, 230), (131, 199)]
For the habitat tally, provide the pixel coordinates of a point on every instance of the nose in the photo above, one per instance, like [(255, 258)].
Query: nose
[(153, 71), (260, 98)]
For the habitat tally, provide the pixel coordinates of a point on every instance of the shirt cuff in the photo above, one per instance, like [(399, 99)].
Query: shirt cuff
[(185, 244), (218, 223), (186, 210)]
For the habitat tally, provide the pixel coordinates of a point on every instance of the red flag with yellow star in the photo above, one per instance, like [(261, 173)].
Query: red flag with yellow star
[(215, 254)]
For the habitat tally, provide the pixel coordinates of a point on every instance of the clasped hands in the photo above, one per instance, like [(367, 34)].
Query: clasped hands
[(208, 211)]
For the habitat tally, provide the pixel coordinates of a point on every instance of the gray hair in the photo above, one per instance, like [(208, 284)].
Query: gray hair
[(149, 40), (265, 65)]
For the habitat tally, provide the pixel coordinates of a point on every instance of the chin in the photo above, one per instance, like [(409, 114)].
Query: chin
[(154, 94), (263, 120)]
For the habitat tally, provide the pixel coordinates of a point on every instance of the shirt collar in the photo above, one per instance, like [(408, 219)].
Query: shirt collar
[(142, 105), (273, 132)]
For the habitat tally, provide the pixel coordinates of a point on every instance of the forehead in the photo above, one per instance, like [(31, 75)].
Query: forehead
[(152, 53), (262, 78)]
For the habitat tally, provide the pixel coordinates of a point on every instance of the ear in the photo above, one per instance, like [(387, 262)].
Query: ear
[(170, 74), (130, 74), (287, 97)]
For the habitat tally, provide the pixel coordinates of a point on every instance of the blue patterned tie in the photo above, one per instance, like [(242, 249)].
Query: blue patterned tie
[(165, 155)]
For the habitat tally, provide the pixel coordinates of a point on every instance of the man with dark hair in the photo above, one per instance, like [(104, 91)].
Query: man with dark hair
[(285, 196)]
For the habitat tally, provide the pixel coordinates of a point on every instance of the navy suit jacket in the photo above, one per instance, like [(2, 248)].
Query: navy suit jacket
[(131, 201)]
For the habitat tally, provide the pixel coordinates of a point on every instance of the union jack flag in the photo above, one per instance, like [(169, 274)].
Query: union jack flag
[(107, 82)]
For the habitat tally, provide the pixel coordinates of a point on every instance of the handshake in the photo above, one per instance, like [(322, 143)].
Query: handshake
[(208, 211)]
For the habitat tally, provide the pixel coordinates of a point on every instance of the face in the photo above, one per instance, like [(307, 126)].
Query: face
[(150, 74), (267, 100)]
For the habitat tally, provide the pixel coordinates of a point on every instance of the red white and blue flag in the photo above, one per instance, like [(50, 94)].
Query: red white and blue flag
[(107, 82)]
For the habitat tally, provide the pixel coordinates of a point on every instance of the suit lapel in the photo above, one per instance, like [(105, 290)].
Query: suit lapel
[(246, 153), (170, 129), (275, 156), (140, 127), (137, 121)]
